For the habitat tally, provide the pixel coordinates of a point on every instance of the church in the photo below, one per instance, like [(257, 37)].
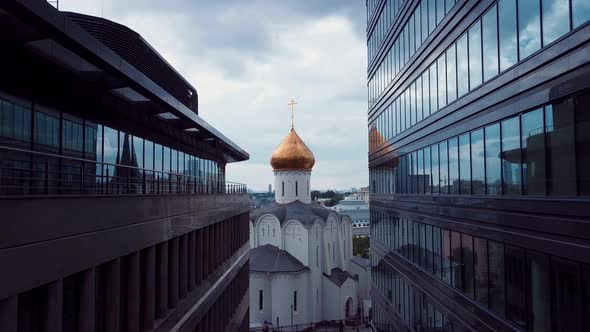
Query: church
[(301, 251)]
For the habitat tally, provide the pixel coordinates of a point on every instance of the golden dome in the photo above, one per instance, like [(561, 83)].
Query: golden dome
[(292, 154)]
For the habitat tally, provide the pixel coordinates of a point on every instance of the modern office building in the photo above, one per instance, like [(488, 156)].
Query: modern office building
[(115, 212), (479, 157)]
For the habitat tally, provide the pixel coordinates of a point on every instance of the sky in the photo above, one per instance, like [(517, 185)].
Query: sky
[(248, 59)]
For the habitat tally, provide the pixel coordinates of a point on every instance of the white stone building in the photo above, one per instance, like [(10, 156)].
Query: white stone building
[(301, 251)]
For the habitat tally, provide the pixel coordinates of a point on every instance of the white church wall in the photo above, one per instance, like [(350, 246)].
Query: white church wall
[(252, 239), (292, 186), (335, 299), (268, 231), (283, 286), (346, 231), (330, 243), (364, 275), (260, 282), (331, 298), (296, 240)]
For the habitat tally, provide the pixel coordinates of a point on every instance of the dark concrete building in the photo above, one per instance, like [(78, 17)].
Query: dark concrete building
[(479, 158), (115, 212)]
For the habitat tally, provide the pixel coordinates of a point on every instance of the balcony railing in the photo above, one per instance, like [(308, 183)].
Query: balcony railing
[(24, 172)]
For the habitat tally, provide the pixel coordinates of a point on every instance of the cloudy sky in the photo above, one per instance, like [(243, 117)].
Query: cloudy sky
[(247, 59)]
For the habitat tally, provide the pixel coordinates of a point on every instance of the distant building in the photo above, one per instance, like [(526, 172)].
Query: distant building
[(356, 209), (362, 195), (270, 188), (301, 251)]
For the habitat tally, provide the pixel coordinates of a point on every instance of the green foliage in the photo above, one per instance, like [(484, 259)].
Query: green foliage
[(361, 246)]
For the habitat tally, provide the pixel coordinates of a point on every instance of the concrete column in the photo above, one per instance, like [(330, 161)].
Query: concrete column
[(191, 260), (183, 266), (162, 280), (133, 294), (173, 273), (113, 296), (149, 287), (87, 301), (9, 314), (54, 306)]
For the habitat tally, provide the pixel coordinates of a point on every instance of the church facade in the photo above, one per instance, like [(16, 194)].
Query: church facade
[(301, 251)]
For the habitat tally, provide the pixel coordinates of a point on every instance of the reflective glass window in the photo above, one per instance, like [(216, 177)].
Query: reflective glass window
[(437, 254), (492, 152), (111, 151), (419, 111), (462, 66), (158, 157), (561, 148), (556, 19), (477, 162), (424, 17), (454, 165), (515, 285), (529, 28), (511, 157), (457, 261), (431, 15), (465, 164), (496, 275), (420, 161), (440, 11), (442, 81), (433, 89), (166, 159), (149, 155), (480, 269), (72, 137), (449, 5), (475, 59), (435, 169), (533, 152), (507, 30), (538, 292), (446, 257), (137, 151), (582, 117), (412, 103), (468, 265), (427, 172), (451, 73), (444, 167), (46, 129), (567, 301), (98, 148), (489, 31), (426, 93), (580, 12), (6, 119), (412, 35)]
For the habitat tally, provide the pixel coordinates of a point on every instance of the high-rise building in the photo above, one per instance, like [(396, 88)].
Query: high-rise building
[(270, 188), (115, 212), (479, 122)]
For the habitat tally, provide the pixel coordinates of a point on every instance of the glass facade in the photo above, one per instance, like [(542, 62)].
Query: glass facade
[(47, 151), (495, 42), (540, 152)]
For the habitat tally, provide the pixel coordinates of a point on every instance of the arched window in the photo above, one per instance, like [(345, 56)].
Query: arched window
[(283, 188), (260, 300), (296, 188), (294, 300)]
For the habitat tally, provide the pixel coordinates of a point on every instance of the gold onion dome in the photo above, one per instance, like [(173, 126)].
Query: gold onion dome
[(292, 154)]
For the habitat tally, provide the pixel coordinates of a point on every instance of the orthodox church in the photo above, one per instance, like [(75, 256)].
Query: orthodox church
[(301, 251)]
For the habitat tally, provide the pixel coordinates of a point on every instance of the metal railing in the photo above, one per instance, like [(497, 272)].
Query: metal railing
[(24, 172)]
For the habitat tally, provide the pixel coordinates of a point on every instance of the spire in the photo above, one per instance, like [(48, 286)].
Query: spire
[(292, 104)]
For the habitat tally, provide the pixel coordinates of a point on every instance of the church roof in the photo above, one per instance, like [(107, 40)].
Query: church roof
[(304, 213), (292, 154), (268, 258), (338, 277)]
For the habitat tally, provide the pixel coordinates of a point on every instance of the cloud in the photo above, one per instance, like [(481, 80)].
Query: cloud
[(248, 59)]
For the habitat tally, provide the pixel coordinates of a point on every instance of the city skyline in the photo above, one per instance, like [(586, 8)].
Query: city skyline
[(261, 54)]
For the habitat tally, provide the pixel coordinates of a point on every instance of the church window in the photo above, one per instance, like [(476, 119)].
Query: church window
[(283, 188), (263, 232), (260, 300), (274, 232), (296, 188), (295, 301)]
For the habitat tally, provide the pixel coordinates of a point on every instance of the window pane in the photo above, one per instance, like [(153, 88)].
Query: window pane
[(533, 153), (431, 15), (480, 262), (475, 61), (421, 181), (454, 166), (442, 82), (440, 11), (444, 167), (412, 103), (433, 89), (446, 269), (462, 66), (515, 285), (137, 151), (477, 162), (566, 300), (561, 148), (583, 143), (427, 172), (511, 156), (158, 157), (529, 28), (424, 14), (490, 43), (451, 73), (435, 169), (496, 262), (426, 93), (437, 252), (539, 292), (468, 265), (111, 152), (457, 260), (556, 19), (492, 148), (465, 164), (580, 12), (507, 28), (419, 114)]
